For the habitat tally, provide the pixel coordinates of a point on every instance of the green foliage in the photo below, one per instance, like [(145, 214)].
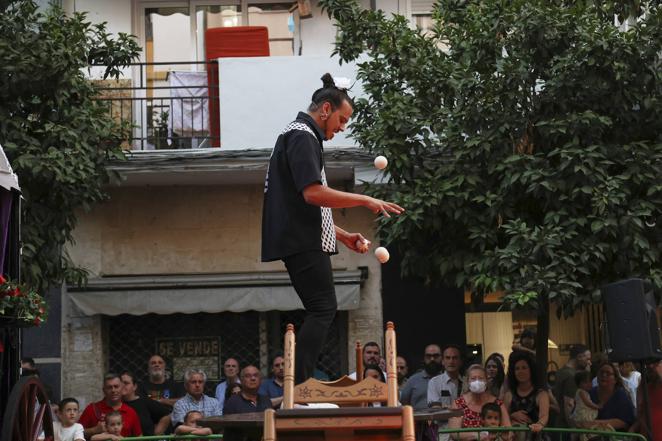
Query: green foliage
[(56, 136), (524, 137)]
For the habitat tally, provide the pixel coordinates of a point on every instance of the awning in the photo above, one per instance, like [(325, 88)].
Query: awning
[(189, 294)]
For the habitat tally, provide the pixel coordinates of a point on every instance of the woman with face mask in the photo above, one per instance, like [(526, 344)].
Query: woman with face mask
[(472, 402), (526, 399)]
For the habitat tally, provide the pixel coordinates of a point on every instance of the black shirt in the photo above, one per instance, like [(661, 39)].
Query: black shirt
[(150, 412), (167, 389), (289, 224), (238, 404)]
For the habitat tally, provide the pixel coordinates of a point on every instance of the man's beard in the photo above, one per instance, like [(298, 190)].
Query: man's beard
[(157, 374), (432, 368)]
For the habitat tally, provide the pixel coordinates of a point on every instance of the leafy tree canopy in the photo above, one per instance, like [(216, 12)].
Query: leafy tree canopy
[(56, 135), (524, 138)]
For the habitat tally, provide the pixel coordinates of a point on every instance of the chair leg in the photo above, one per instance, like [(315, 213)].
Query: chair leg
[(269, 425), (408, 431)]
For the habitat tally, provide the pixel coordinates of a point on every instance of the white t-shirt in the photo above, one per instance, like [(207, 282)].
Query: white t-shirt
[(72, 433)]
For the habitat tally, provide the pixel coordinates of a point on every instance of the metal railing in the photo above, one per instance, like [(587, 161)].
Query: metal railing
[(589, 433), (169, 105), (560, 434)]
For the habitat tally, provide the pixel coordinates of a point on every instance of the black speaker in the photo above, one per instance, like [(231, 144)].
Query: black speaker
[(632, 332)]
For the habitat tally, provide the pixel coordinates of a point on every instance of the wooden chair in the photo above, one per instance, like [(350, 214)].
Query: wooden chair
[(346, 423)]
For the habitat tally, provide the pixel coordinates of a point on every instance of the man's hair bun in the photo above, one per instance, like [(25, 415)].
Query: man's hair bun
[(327, 81)]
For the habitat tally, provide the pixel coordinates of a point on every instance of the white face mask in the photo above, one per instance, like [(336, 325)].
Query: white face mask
[(477, 386)]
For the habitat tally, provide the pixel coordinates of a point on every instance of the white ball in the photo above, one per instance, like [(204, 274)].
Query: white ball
[(382, 254), (363, 245), (381, 162)]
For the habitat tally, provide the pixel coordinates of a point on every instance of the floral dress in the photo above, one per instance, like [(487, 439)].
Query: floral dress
[(470, 418)]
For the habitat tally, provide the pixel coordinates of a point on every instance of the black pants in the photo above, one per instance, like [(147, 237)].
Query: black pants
[(312, 278)]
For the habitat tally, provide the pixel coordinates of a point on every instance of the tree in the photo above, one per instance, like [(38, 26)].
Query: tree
[(524, 140), (57, 137)]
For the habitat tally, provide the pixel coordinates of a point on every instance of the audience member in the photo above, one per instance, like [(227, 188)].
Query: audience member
[(249, 399), (113, 428), (616, 409), (445, 388), (273, 387), (403, 371), (654, 379), (490, 416), (28, 367), (94, 415), (496, 375), (190, 426), (585, 410), (526, 400), (371, 355), (159, 385), (565, 388), (631, 378), (472, 402), (231, 373), (527, 342), (67, 428), (375, 372), (154, 416), (195, 398), (415, 392)]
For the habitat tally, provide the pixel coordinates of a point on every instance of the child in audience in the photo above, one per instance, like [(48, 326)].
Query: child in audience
[(67, 428), (190, 426), (113, 424), (586, 411), (490, 416)]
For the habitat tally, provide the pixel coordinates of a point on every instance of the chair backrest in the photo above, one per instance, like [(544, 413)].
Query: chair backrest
[(343, 391)]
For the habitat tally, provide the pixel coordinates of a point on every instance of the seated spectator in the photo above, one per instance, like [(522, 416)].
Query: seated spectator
[(472, 402), (94, 414), (526, 399), (195, 398), (273, 387), (371, 355), (159, 386), (231, 374), (190, 426), (490, 416), (374, 371), (113, 430), (616, 409), (585, 410), (154, 416), (67, 428), (249, 399)]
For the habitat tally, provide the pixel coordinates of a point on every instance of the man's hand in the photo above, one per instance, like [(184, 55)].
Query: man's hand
[(350, 240), (383, 207)]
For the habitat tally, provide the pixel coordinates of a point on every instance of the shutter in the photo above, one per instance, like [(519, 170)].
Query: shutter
[(422, 7)]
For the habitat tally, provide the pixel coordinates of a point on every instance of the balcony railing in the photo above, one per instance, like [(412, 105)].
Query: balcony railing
[(170, 105)]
